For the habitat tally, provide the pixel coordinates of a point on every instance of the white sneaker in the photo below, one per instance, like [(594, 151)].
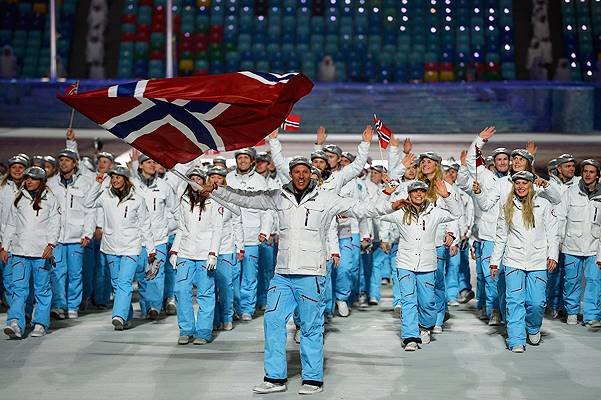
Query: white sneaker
[(396, 313), (343, 309), (200, 341), (363, 301), (170, 307), (518, 349), (246, 317), (310, 389), (268, 387), (593, 324), (453, 303), (118, 323), (184, 340), (38, 331), (228, 326), (411, 346), (297, 336), (495, 319), (57, 313), (373, 302), (12, 330), (572, 320), (72, 314), (425, 336), (482, 314), (534, 339), (437, 330), (153, 314)]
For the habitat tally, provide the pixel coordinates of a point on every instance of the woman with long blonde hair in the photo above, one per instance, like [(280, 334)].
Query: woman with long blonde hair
[(416, 261), (430, 172), (527, 245)]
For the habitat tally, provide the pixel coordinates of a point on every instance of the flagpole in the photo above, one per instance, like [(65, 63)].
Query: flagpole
[(169, 40), (197, 186), (53, 67), (71, 119)]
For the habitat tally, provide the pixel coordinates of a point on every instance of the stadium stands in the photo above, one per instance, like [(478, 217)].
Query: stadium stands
[(24, 25)]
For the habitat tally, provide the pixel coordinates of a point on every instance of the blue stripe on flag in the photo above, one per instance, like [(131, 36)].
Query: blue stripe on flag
[(160, 111), (126, 90), (273, 78)]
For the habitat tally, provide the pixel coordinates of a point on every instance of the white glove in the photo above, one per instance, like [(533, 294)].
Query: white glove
[(211, 263), (173, 260)]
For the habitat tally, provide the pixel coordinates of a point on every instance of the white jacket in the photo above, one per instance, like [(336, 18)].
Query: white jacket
[(337, 179), (126, 226), (304, 226), (417, 242), (161, 205), (579, 220), (485, 220), (253, 222), (232, 238), (27, 232), (77, 221), (199, 231), (7, 196), (527, 249)]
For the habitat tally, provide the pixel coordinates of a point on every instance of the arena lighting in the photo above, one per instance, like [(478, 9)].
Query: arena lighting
[(491, 18), (507, 47), (491, 28), (402, 28), (476, 54), (573, 55), (476, 10), (447, 10), (447, 18), (360, 9), (403, 10), (376, 9), (491, 10), (433, 2), (260, 18), (589, 73), (584, 27), (333, 2), (573, 65), (333, 18), (390, 18), (507, 28), (433, 29), (569, 27), (447, 28), (477, 28), (405, 18), (506, 10), (462, 28)]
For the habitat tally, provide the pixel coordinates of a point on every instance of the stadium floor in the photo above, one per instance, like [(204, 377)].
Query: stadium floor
[(86, 359)]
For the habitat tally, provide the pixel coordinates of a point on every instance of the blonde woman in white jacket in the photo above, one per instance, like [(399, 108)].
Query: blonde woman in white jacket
[(126, 228), (416, 260), (194, 254), (30, 234), (527, 245)]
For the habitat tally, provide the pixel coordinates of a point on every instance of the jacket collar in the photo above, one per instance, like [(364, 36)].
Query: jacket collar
[(596, 193), (309, 194)]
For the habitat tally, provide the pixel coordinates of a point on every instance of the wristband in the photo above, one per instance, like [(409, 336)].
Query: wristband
[(493, 267), (211, 253)]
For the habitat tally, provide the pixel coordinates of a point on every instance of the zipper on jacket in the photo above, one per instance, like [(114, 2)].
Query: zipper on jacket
[(154, 204), (71, 201), (307, 217), (199, 215), (125, 214), (424, 225), (595, 217)]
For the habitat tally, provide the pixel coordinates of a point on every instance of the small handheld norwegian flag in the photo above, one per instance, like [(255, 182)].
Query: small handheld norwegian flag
[(479, 157), (72, 89), (291, 123), (384, 134)]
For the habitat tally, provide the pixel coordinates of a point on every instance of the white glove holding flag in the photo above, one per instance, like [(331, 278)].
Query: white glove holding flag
[(173, 260), (211, 262)]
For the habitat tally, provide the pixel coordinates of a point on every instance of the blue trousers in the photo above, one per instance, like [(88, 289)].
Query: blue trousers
[(285, 294), (23, 270), (103, 284), (343, 275), (151, 292), (66, 278), (501, 289), (440, 290), (266, 271), (396, 290), (365, 272), (574, 267), (526, 301), (248, 285), (7, 280), (356, 267), (169, 273), (418, 302), (194, 273), (483, 250), (464, 276), (88, 272), (329, 289), (381, 263), (123, 270), (555, 282), (224, 289), (2, 290), (452, 275)]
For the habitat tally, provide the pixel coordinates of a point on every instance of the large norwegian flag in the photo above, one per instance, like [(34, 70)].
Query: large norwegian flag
[(384, 134), (176, 120)]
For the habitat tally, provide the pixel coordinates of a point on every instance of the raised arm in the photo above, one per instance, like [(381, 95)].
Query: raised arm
[(355, 168), (92, 199), (258, 200), (281, 165)]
